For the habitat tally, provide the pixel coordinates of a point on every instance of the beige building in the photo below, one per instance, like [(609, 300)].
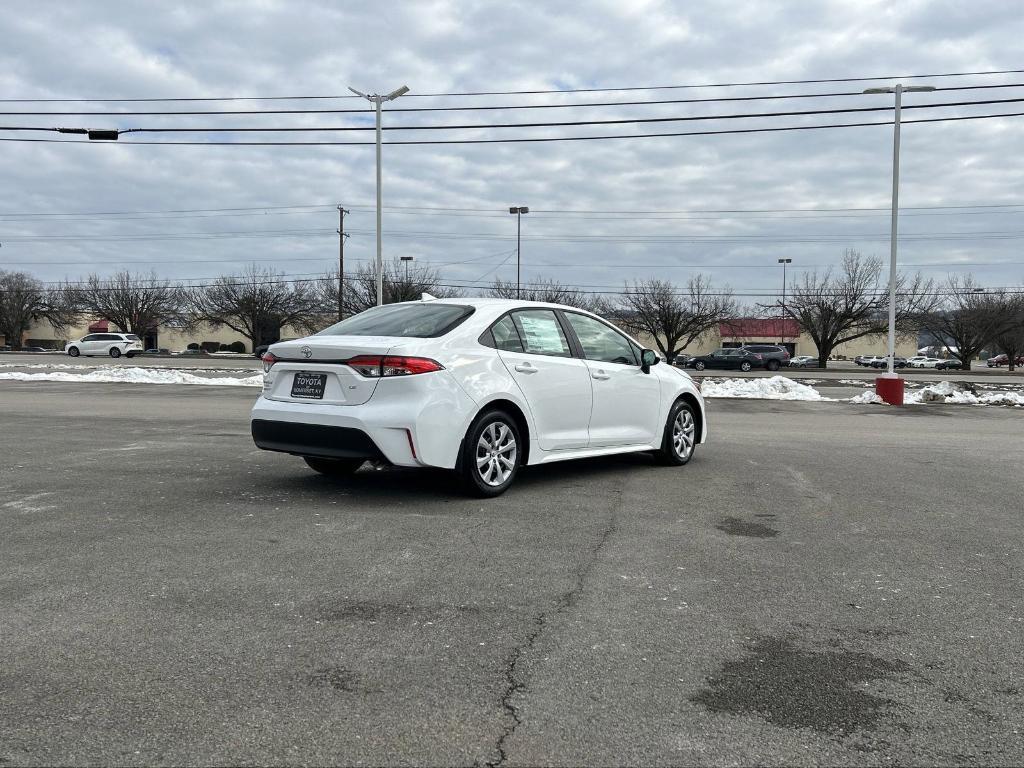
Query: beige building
[(165, 336), (787, 333)]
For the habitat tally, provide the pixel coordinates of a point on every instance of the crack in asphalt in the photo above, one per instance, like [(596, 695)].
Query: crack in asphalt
[(565, 601)]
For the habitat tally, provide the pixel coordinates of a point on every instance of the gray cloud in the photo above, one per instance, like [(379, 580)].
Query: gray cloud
[(64, 50)]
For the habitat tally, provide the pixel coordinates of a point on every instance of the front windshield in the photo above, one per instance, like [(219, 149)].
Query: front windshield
[(414, 319)]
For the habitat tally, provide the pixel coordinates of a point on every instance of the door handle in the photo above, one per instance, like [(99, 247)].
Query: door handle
[(600, 375), (525, 368)]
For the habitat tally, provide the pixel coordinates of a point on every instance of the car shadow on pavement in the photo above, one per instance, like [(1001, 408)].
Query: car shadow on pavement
[(400, 483)]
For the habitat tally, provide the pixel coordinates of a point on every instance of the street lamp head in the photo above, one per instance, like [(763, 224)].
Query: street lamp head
[(397, 92), (785, 261), (358, 93), (918, 88), (518, 209), (406, 258), (879, 90)]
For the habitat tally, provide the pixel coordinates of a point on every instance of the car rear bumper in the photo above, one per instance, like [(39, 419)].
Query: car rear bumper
[(314, 440)]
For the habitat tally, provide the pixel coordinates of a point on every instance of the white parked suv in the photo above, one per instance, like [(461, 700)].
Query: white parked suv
[(479, 386), (112, 344)]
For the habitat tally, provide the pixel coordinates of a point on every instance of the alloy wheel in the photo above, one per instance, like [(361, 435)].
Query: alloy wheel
[(683, 433), (496, 453)]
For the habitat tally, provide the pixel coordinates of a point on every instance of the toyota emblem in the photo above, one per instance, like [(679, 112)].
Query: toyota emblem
[(307, 352)]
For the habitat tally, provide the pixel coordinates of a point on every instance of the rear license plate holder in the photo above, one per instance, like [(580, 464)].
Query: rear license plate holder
[(309, 386)]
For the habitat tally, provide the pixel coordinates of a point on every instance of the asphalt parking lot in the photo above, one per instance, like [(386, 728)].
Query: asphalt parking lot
[(824, 583)]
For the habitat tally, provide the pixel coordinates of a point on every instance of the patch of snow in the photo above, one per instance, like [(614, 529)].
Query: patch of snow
[(949, 392), (858, 382), (867, 397), (138, 376), (774, 388)]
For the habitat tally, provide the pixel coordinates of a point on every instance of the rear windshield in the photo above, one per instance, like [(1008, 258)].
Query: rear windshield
[(414, 320), (131, 337)]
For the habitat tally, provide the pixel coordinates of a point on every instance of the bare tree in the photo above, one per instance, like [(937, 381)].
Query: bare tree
[(401, 283), (133, 303), (834, 309), (967, 319), (1009, 338), (257, 304), (24, 300), (550, 292), (674, 318)]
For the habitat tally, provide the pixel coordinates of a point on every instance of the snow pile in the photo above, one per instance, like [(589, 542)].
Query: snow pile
[(948, 392), (138, 376), (774, 388), (867, 397)]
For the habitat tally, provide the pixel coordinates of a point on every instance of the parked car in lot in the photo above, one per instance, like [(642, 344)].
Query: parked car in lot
[(775, 356), (1000, 360), (479, 386), (736, 358), (883, 362), (952, 364), (112, 344), (864, 360), (681, 360), (803, 361)]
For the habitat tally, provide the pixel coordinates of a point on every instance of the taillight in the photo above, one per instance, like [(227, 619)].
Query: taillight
[(375, 366), (268, 361)]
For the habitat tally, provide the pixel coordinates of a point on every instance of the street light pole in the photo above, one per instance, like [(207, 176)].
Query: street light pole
[(898, 91), (518, 211), (782, 328), (406, 259), (377, 100)]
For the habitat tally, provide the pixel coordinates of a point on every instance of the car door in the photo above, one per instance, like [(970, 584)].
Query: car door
[(89, 344), (556, 385), (626, 401)]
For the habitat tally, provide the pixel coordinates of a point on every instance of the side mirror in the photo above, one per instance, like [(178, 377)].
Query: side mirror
[(648, 357)]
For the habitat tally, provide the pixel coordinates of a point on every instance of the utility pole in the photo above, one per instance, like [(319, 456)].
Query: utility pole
[(341, 262), (782, 328)]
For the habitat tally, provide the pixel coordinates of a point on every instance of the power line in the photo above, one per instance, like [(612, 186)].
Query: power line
[(543, 139), (523, 92), (484, 108), (596, 211), (550, 124)]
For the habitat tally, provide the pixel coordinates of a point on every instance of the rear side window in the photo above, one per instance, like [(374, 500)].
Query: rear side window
[(413, 320), (506, 337), (541, 333)]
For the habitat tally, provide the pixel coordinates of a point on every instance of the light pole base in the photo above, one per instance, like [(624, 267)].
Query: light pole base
[(889, 387)]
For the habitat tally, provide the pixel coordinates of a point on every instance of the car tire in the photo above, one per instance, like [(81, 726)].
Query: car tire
[(115, 352), (492, 444), (745, 366), (333, 467), (698, 366), (73, 352), (679, 440), (773, 365)]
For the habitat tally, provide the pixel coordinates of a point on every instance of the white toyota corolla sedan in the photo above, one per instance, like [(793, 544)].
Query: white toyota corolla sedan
[(479, 386)]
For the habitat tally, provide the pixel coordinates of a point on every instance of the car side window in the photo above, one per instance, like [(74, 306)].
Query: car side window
[(600, 343), (541, 333), (506, 337), (91, 337)]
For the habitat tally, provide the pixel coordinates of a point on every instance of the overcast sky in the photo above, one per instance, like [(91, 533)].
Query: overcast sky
[(584, 195)]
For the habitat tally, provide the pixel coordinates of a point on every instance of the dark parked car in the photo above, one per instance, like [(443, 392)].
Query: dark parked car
[(999, 360), (952, 364), (897, 362), (736, 359), (681, 360), (775, 356)]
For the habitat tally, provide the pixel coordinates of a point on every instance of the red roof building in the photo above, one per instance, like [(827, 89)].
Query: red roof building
[(748, 328)]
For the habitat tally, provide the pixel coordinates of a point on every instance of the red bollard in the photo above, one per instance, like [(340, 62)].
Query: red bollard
[(889, 387)]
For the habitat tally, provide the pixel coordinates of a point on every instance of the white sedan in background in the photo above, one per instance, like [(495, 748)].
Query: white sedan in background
[(107, 344), (922, 361), (479, 386)]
